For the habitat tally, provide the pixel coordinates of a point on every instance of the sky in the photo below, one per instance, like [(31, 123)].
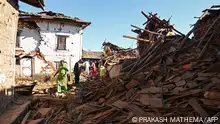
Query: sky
[(111, 19)]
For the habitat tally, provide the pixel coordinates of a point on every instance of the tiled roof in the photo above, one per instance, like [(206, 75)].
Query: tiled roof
[(54, 17), (92, 55)]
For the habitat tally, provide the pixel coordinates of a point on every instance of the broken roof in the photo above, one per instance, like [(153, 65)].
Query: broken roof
[(54, 17), (35, 3), (92, 55), (214, 10)]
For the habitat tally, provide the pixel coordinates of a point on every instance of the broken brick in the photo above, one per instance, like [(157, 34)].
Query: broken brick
[(158, 79), (120, 104), (212, 95), (38, 121), (191, 84), (188, 75), (206, 74), (131, 84), (215, 80), (181, 83), (169, 61), (176, 79), (44, 111), (210, 102), (202, 78), (144, 99), (193, 102), (169, 86), (151, 90), (178, 89), (101, 100), (156, 102), (187, 67)]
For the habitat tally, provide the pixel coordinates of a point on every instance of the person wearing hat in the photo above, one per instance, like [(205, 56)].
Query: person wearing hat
[(62, 77)]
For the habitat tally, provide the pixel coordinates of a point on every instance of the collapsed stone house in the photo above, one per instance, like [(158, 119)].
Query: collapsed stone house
[(46, 38), (8, 30)]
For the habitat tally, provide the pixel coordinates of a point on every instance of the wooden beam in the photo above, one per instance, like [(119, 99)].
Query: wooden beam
[(134, 38), (207, 31), (215, 6), (196, 106), (147, 30), (53, 101), (193, 29), (167, 25), (148, 17), (41, 5)]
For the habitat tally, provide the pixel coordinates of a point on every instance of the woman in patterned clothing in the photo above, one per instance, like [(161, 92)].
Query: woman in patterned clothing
[(62, 77)]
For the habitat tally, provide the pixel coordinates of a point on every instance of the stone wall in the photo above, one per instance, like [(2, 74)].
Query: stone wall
[(8, 30)]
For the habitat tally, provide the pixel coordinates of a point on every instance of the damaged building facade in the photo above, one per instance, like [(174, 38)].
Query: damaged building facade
[(46, 38), (8, 29)]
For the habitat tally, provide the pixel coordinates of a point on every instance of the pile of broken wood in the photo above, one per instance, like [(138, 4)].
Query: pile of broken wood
[(174, 76), (117, 53), (44, 110)]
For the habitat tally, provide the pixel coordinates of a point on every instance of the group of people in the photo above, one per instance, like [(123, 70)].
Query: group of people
[(94, 70), (62, 71)]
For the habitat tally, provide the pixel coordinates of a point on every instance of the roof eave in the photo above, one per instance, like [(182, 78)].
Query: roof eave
[(39, 4), (83, 27), (81, 23)]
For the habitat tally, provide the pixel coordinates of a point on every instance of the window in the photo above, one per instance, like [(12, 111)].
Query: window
[(18, 61), (61, 42), (18, 40)]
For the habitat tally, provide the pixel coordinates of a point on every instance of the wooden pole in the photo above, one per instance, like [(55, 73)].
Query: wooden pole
[(147, 30), (209, 29), (148, 17), (167, 25), (134, 38)]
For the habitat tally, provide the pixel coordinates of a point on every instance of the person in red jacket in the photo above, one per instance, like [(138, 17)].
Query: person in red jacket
[(93, 72), (94, 66)]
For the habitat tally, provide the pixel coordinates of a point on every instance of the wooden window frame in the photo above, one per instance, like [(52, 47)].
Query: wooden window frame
[(18, 61), (18, 41), (58, 42)]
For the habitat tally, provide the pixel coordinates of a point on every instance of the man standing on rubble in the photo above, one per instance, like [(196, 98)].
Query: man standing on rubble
[(77, 71), (62, 77)]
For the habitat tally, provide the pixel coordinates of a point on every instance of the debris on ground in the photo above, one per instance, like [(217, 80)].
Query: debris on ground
[(115, 54), (173, 76)]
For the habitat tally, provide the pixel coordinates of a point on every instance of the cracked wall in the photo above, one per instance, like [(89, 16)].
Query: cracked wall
[(45, 38)]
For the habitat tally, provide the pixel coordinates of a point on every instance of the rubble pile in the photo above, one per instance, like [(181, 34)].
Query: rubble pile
[(174, 76), (118, 54), (205, 21), (46, 110), (45, 85), (155, 29)]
